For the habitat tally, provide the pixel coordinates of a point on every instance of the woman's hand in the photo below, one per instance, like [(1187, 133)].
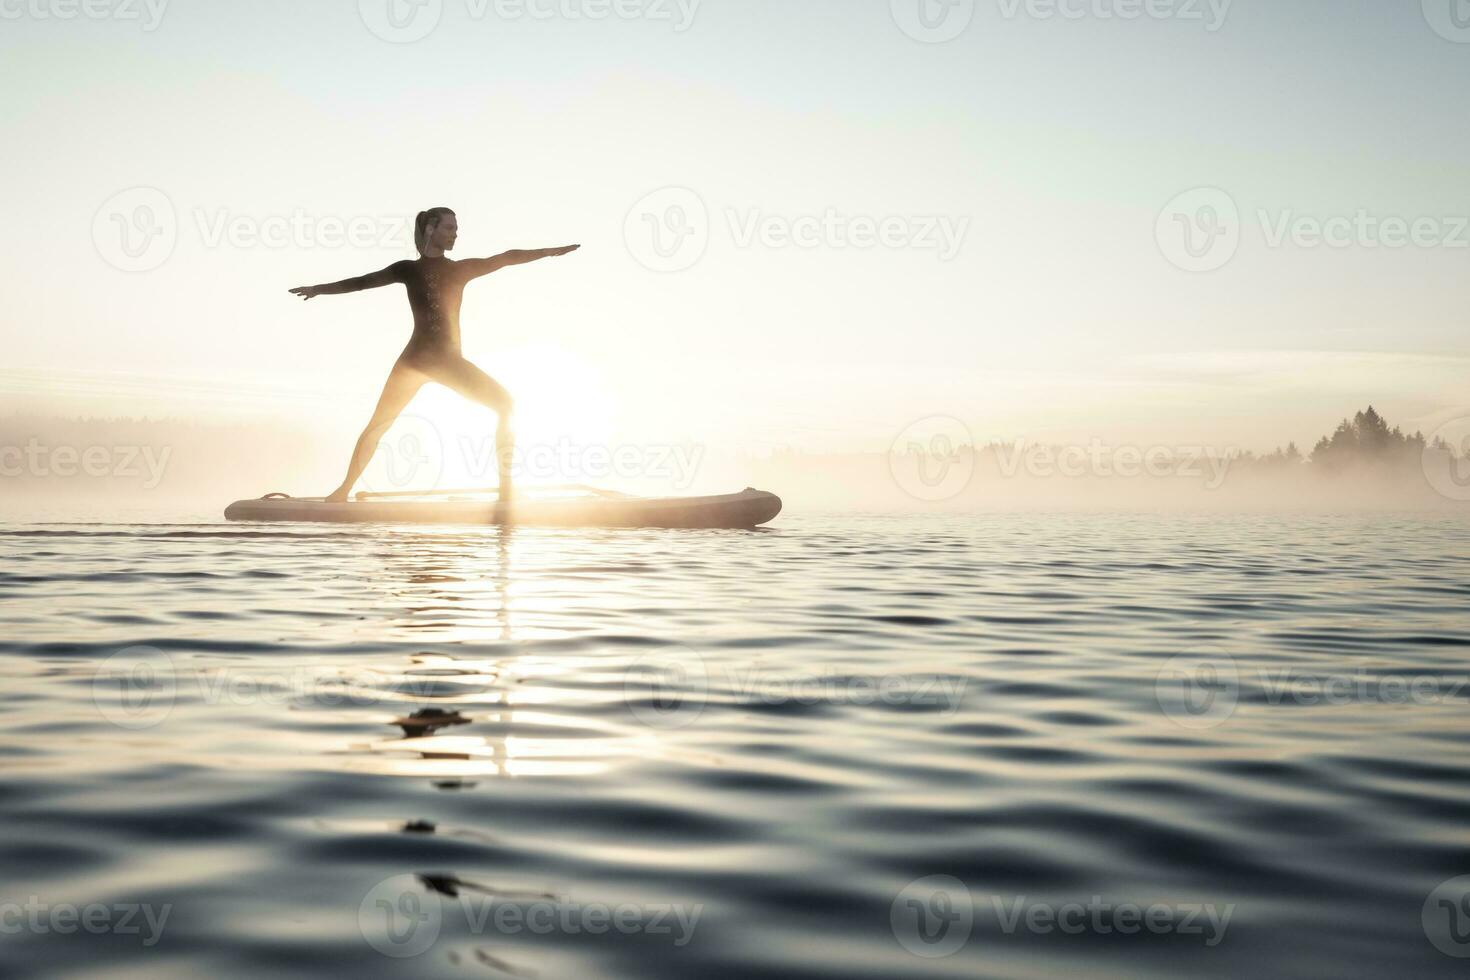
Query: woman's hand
[(305, 292), (551, 252)]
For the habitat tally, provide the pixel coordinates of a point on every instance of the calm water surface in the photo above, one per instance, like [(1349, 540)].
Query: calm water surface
[(1014, 747)]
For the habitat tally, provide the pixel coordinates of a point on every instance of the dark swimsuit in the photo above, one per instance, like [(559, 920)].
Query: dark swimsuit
[(435, 294)]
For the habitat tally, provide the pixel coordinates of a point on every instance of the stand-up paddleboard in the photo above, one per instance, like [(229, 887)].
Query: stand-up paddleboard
[(568, 507)]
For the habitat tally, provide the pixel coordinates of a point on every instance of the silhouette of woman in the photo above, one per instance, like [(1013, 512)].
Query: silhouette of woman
[(435, 286)]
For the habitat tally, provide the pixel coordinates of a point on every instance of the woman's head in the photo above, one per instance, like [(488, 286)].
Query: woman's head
[(434, 231)]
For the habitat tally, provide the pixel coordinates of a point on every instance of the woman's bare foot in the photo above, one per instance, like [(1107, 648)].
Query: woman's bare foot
[(339, 496)]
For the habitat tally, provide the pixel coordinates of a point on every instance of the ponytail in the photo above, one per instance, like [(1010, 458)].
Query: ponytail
[(424, 224)]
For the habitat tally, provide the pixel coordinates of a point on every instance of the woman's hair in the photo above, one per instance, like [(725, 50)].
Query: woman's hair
[(425, 223)]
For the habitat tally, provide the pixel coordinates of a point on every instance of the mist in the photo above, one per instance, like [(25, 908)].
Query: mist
[(54, 466)]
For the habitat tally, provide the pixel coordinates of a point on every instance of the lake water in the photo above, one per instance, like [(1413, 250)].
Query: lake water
[(843, 747)]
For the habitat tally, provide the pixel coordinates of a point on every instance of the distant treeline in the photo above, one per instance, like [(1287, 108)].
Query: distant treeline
[(1363, 440), (1364, 463)]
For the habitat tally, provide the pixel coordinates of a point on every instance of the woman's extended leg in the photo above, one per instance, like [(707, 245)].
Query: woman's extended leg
[(403, 383), (474, 384)]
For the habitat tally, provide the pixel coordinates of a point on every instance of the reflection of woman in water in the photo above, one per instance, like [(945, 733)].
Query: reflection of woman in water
[(435, 286)]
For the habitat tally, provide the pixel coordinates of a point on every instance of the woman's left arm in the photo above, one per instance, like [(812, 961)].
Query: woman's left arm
[(518, 256)]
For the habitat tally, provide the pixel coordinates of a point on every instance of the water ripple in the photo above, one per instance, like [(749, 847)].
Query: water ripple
[(832, 747)]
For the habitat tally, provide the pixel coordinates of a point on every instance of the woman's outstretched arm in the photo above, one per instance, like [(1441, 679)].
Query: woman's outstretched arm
[(516, 256), (383, 277)]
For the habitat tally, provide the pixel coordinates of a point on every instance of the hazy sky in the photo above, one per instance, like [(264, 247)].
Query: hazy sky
[(1022, 268)]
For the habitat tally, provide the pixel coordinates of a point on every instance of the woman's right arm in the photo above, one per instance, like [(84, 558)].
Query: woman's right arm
[(383, 277)]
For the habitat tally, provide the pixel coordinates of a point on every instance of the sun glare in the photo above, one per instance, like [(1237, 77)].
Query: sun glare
[(563, 410)]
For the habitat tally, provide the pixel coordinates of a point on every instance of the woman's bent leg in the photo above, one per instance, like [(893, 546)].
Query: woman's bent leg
[(403, 383), (466, 379)]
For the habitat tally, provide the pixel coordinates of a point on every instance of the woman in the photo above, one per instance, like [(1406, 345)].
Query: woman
[(435, 286)]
